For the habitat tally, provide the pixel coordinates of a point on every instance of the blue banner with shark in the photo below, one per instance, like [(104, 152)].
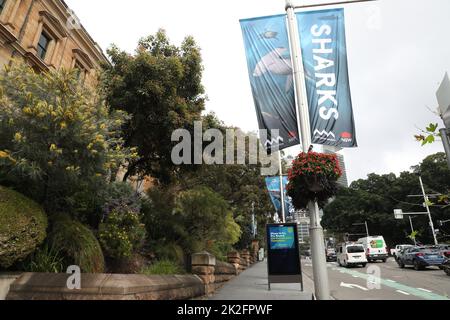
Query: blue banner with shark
[(271, 78), (322, 35), (273, 186)]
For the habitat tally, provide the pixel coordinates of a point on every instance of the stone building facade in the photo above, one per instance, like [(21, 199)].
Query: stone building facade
[(47, 34)]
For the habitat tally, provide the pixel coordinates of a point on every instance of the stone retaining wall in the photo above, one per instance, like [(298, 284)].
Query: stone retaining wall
[(208, 275), (5, 282), (44, 286)]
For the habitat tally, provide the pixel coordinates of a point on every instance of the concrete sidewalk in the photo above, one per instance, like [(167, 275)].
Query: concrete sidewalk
[(252, 285)]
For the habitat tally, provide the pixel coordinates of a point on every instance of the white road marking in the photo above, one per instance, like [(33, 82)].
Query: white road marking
[(425, 290), (403, 292), (355, 276), (391, 281), (353, 286)]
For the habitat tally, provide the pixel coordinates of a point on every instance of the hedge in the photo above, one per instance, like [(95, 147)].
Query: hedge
[(77, 243), (23, 225)]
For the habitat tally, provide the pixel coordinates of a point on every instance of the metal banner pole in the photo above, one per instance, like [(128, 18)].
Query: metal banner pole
[(283, 211), (331, 3), (316, 232)]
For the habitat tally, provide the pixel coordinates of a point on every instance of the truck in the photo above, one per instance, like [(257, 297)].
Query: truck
[(375, 248)]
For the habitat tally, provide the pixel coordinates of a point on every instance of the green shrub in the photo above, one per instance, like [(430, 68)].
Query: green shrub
[(121, 234), (206, 219), (163, 267), (23, 226), (170, 251), (77, 244), (193, 220), (220, 250), (45, 259)]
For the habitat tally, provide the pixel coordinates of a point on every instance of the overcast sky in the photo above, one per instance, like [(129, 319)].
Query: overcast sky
[(398, 52)]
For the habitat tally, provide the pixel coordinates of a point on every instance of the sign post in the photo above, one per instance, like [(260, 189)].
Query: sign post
[(446, 142), (283, 254), (443, 97)]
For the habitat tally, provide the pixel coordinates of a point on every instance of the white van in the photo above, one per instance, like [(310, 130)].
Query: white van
[(351, 254), (375, 248)]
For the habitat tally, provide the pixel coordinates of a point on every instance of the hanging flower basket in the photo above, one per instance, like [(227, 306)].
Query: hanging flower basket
[(313, 177)]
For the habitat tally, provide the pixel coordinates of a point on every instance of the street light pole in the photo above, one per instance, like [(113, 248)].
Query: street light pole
[(316, 232), (367, 229), (412, 230), (363, 224), (320, 272), (425, 196)]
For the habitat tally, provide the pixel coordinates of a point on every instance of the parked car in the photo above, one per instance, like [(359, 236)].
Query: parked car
[(444, 249), (446, 267), (331, 254), (398, 248), (375, 248), (306, 252), (351, 254), (401, 253), (421, 257)]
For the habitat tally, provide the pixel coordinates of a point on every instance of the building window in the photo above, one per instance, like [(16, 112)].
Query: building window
[(2, 5), (81, 71), (42, 47)]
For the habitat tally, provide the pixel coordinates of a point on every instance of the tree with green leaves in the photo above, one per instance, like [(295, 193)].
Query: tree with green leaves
[(242, 186), (429, 135), (194, 220), (375, 198), (58, 139), (160, 87)]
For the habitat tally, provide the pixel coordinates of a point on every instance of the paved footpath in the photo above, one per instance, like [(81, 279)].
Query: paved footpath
[(252, 285)]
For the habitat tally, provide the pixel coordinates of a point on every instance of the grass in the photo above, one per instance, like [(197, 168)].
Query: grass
[(46, 259), (163, 267)]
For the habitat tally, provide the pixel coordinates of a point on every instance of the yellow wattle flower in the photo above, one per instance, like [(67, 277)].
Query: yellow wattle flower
[(18, 137), (4, 154)]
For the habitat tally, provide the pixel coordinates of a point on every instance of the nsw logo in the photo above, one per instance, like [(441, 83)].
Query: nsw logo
[(346, 137)]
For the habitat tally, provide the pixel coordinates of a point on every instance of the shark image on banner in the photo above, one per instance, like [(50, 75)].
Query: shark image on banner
[(271, 78), (275, 63), (270, 35)]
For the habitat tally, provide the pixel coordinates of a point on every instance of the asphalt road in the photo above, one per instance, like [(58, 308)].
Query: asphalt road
[(384, 281)]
